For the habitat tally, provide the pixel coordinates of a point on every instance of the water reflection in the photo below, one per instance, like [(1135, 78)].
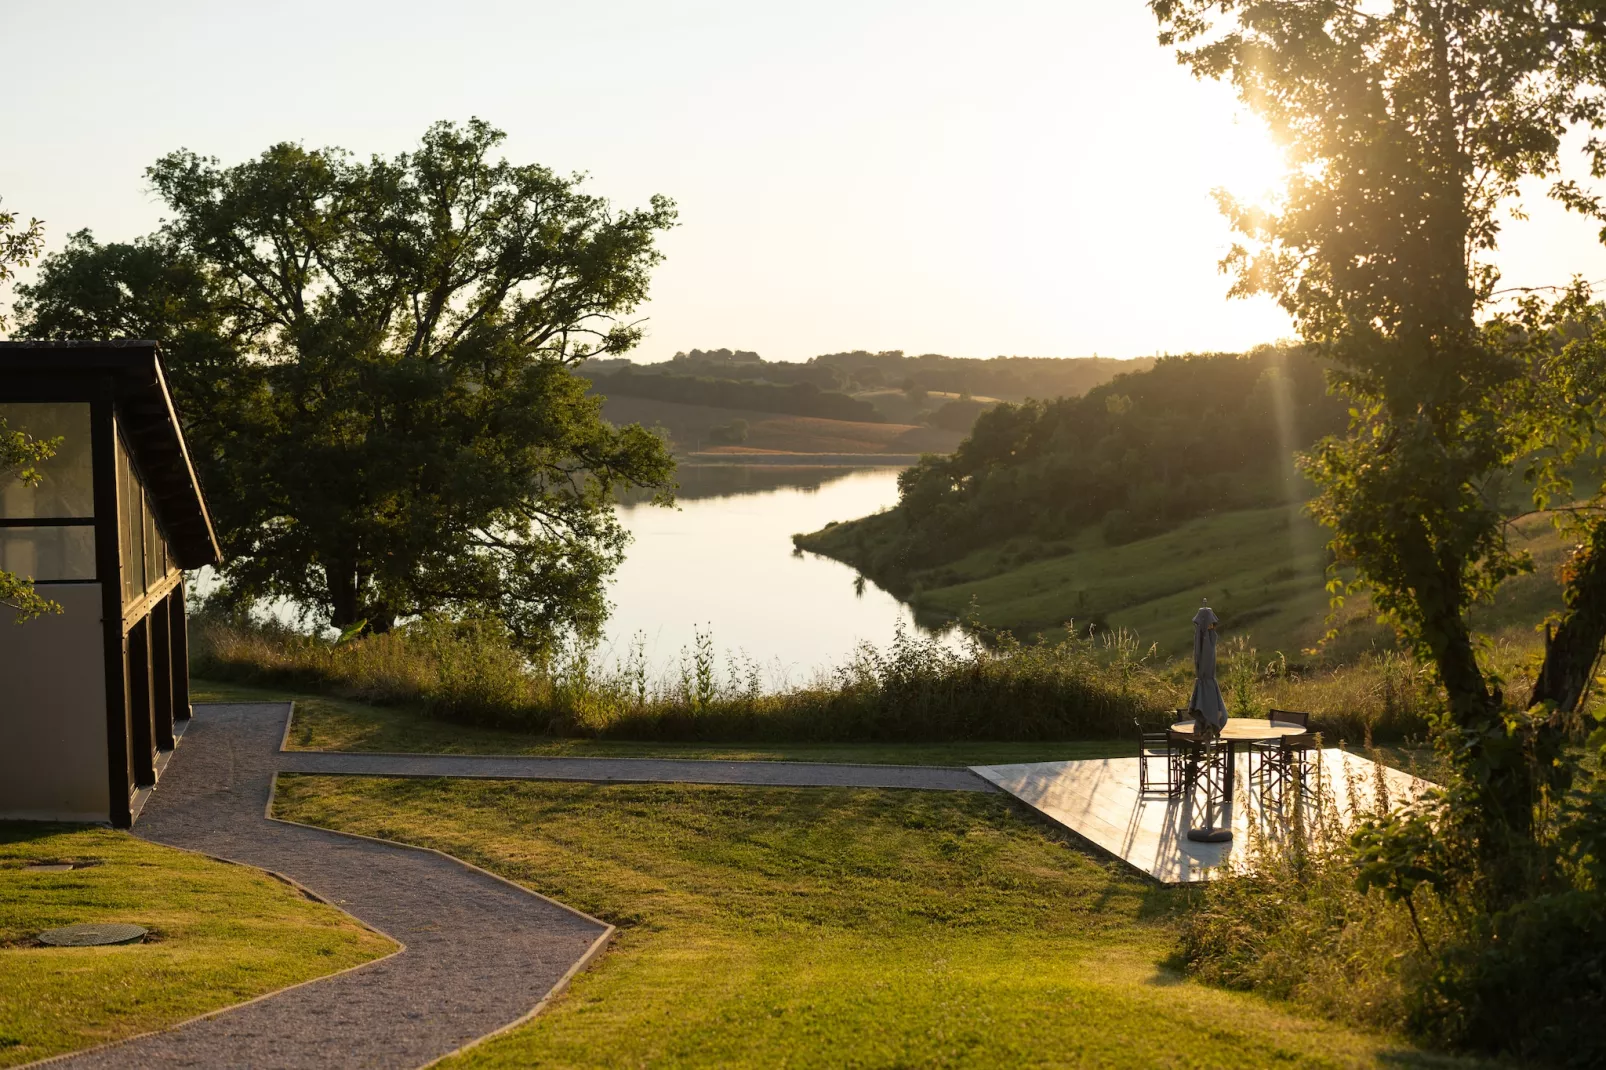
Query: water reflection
[(724, 561)]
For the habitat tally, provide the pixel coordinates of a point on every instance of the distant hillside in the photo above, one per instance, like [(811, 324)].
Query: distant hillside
[(947, 393), (1136, 457), (703, 428), (795, 399), (1262, 569), (1008, 378)]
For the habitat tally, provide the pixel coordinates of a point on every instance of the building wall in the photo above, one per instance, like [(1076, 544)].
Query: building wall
[(53, 710)]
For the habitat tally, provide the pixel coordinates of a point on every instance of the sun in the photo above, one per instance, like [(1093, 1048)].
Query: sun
[(1250, 164)]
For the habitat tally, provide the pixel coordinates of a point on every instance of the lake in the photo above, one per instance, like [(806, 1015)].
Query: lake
[(722, 561)]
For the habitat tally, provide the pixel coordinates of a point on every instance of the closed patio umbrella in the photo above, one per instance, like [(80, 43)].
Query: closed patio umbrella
[(1209, 709), (1206, 692)]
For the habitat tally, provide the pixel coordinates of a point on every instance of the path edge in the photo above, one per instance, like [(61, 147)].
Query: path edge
[(273, 793), (276, 875)]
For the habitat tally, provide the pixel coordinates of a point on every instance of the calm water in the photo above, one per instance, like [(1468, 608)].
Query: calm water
[(725, 564), (722, 561)]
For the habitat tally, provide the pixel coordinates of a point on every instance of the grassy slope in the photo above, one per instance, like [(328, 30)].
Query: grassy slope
[(220, 934), (1260, 568), (771, 927), (323, 723), (689, 426)]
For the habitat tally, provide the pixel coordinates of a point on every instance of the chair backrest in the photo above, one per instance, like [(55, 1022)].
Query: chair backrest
[(1298, 717)]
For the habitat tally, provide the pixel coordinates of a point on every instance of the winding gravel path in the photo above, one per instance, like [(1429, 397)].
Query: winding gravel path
[(480, 953)]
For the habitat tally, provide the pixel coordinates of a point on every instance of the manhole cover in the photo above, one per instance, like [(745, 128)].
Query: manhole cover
[(93, 935), (48, 867)]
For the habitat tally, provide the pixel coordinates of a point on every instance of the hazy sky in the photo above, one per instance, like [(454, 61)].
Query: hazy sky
[(974, 179)]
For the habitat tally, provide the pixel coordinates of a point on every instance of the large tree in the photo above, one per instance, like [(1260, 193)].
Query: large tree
[(1408, 127), (19, 451), (374, 362)]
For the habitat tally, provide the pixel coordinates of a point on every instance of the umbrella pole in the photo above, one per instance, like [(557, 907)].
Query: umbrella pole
[(1208, 833)]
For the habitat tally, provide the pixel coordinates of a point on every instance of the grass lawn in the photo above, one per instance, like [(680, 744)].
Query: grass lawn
[(835, 927), (322, 723), (220, 934)]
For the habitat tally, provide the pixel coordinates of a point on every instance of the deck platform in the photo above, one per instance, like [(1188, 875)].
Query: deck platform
[(1099, 801)]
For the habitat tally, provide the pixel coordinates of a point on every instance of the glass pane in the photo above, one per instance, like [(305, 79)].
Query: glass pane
[(153, 548), (131, 525), (47, 554), (67, 486)]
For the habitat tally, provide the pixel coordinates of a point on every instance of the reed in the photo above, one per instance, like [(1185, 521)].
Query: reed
[(916, 690)]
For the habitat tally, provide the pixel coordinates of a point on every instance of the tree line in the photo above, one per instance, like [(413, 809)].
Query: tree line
[(796, 399), (1138, 455)]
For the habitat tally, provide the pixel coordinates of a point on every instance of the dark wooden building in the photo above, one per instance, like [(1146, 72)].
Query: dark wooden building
[(90, 696)]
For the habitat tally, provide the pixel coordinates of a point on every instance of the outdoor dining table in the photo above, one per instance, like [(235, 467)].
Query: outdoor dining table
[(1244, 730)]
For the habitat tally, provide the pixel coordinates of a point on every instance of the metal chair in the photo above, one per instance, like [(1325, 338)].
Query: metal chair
[(1153, 744), (1203, 760), (1288, 760)]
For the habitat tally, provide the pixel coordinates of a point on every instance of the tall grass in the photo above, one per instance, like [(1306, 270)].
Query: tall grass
[(918, 689), (1377, 914), (1090, 684), (1292, 923)]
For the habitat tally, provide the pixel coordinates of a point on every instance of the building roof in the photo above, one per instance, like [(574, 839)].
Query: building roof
[(149, 422)]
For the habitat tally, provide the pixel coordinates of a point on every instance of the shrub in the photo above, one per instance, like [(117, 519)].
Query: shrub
[(1385, 921)]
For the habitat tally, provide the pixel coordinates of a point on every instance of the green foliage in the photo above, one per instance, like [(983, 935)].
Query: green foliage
[(918, 690), (17, 247), (1407, 132), (1292, 922), (19, 452), (374, 360), (1142, 454), (960, 414)]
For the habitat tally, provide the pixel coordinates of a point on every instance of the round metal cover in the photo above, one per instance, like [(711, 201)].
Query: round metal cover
[(93, 935)]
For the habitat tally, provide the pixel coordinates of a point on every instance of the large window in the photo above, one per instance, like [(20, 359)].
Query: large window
[(46, 531), (48, 554), (144, 549)]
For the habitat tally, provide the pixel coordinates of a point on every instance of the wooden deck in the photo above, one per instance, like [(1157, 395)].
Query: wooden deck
[(1100, 802)]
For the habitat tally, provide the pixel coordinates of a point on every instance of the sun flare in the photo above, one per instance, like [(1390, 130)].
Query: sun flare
[(1251, 165)]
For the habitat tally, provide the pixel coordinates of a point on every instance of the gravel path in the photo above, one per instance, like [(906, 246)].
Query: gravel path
[(637, 770), (480, 953)]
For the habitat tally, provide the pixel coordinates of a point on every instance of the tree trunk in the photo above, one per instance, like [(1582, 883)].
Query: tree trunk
[(1495, 763), (341, 578), (1573, 648)]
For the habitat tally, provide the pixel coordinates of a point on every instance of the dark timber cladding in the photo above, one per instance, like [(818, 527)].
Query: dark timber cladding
[(107, 533)]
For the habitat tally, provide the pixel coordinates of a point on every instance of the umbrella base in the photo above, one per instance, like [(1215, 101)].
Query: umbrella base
[(1209, 835)]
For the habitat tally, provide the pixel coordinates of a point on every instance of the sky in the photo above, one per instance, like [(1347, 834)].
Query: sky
[(1017, 177)]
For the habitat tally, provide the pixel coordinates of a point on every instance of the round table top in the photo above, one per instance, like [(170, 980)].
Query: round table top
[(1241, 729)]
